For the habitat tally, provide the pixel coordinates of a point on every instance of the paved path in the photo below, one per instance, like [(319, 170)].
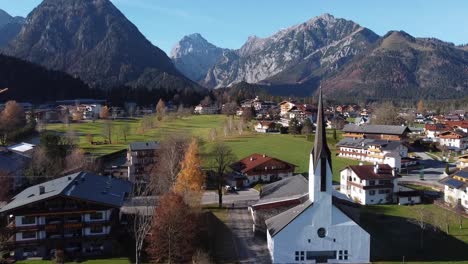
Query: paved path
[(433, 170), (229, 198), (249, 247)]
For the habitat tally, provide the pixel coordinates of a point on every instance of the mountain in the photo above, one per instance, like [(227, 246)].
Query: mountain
[(93, 40), (194, 56), (402, 66), (293, 56), (9, 27), (28, 82)]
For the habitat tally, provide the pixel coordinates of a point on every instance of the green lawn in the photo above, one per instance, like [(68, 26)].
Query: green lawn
[(294, 149), (94, 261), (395, 233)]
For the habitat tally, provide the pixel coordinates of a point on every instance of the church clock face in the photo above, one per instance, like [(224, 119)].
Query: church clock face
[(321, 232)]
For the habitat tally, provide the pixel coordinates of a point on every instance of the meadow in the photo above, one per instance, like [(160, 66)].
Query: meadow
[(291, 148)]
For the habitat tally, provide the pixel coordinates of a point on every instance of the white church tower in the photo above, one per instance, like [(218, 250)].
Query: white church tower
[(317, 231)]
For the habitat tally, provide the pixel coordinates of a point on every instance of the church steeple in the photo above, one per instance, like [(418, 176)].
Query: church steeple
[(321, 153)]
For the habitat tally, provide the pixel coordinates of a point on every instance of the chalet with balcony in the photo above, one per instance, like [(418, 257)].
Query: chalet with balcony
[(382, 132), (78, 213), (371, 150), (456, 189), (432, 131), (261, 168), (140, 158), (462, 161), (369, 184), (454, 140)]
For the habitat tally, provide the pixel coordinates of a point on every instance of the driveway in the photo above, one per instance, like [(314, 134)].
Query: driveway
[(433, 170), (229, 198), (250, 248)]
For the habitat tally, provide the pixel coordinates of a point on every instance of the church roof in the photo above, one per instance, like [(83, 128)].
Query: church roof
[(320, 145), (280, 221)]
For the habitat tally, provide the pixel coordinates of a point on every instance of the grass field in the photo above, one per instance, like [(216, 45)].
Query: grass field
[(293, 149), (395, 234)]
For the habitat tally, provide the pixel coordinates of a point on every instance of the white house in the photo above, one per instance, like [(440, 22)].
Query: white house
[(266, 127), (373, 150), (369, 184), (316, 231), (456, 140), (456, 188)]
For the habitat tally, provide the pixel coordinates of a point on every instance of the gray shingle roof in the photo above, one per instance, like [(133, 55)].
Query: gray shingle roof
[(365, 143), (278, 222), (12, 162), (82, 185), (144, 145), (288, 188), (376, 129)]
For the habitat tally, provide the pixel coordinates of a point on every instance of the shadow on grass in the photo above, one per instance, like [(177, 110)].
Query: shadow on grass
[(394, 237), (216, 238)]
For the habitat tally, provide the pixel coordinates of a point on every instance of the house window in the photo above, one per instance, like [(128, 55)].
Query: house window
[(372, 192), (343, 254), (300, 255), (96, 216), (28, 220), (96, 230), (371, 183), (28, 235)]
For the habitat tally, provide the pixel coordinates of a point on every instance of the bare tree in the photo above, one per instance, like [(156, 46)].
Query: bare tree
[(240, 126), (107, 129), (104, 113), (222, 158), (142, 215), (422, 218), (125, 131), (169, 156), (75, 160), (230, 109), (386, 114), (160, 109), (213, 134)]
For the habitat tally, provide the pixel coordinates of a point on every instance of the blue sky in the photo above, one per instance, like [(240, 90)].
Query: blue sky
[(228, 23)]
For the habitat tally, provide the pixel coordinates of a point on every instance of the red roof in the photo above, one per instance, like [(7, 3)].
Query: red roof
[(255, 160), (460, 124), (435, 127), (367, 172)]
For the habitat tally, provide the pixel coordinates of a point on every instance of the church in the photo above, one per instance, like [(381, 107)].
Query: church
[(316, 231)]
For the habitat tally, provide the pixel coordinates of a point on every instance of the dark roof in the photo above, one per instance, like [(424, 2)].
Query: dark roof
[(449, 181), (293, 187), (367, 172), (320, 149), (82, 185), (12, 162), (280, 221), (150, 145), (365, 143), (462, 174), (376, 129)]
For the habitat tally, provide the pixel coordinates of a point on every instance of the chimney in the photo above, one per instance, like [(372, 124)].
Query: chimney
[(41, 190)]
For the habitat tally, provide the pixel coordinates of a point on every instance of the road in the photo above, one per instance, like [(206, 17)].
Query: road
[(250, 248), (229, 198), (433, 170)]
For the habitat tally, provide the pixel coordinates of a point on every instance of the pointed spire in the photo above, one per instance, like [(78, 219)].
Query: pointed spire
[(321, 152)]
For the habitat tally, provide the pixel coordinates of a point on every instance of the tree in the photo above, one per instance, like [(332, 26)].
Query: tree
[(248, 113), (11, 118), (335, 137), (386, 114), (230, 109), (170, 154), (240, 126), (107, 128), (308, 127), (190, 180), (222, 158), (160, 109), (206, 101), (420, 108), (75, 160), (6, 182), (422, 217), (105, 113), (143, 217), (89, 138), (125, 131), (213, 134), (294, 126), (172, 232)]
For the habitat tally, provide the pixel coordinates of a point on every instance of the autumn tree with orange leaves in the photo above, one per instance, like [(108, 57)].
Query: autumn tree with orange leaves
[(191, 178), (171, 237)]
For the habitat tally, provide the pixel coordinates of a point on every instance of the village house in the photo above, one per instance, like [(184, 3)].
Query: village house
[(369, 184), (286, 106), (141, 156), (206, 109), (266, 127), (78, 213), (260, 168), (383, 132), (462, 161), (461, 125), (371, 150), (317, 231), (456, 188), (432, 131), (453, 140)]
